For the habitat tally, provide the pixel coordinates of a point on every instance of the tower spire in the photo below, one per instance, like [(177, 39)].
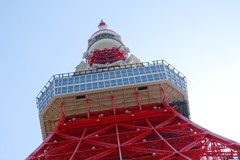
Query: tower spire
[(102, 25)]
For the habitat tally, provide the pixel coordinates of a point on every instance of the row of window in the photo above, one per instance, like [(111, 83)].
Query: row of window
[(109, 75), (109, 83)]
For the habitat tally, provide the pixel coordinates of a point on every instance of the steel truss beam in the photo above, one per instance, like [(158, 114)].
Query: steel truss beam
[(154, 131)]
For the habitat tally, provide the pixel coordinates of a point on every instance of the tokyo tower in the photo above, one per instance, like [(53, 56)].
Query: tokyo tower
[(115, 107)]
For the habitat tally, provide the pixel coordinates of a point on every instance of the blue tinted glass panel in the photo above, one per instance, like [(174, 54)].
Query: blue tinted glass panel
[(82, 79), (161, 76), (161, 68), (101, 84), (76, 79), (164, 76), (147, 69), (113, 83), (76, 88), (82, 87), (64, 82), (95, 85), (130, 72), (70, 81), (141, 70), (156, 76), (112, 75), (56, 82), (137, 79), (64, 89), (56, 91), (125, 81), (119, 82), (150, 77), (135, 71), (153, 68), (89, 86), (51, 84), (94, 77), (118, 74), (70, 89), (107, 83), (131, 80), (124, 73), (88, 78), (144, 78), (59, 90), (100, 76), (106, 75)]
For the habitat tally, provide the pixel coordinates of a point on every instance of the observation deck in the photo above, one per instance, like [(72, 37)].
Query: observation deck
[(92, 91)]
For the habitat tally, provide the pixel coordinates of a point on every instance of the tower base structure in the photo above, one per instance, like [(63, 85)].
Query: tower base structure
[(154, 131)]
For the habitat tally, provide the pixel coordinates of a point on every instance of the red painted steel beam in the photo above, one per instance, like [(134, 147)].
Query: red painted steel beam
[(139, 102), (113, 105), (88, 108)]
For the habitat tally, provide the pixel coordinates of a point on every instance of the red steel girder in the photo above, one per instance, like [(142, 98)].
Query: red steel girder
[(149, 133)]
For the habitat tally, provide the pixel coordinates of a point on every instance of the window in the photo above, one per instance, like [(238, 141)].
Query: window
[(144, 78), (118, 74), (161, 76), (141, 70), (153, 68), (76, 88), (82, 79), (64, 90), (147, 69), (112, 75), (124, 73), (94, 77), (64, 81), (113, 82), (89, 86), (135, 71), (56, 82), (150, 77), (131, 80), (82, 87), (95, 85), (101, 85), (76, 80), (106, 75), (161, 68), (70, 81), (100, 76), (138, 79), (107, 83), (59, 90), (119, 82), (56, 92), (129, 72), (70, 89), (80, 97), (88, 78), (142, 88), (156, 76), (125, 81)]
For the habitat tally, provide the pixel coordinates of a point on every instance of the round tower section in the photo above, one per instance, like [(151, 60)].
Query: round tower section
[(105, 48)]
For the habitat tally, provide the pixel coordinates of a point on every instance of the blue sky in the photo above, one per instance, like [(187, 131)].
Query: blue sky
[(41, 38)]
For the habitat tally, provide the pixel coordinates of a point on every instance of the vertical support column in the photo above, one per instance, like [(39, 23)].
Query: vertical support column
[(61, 110), (113, 105), (88, 108), (139, 103)]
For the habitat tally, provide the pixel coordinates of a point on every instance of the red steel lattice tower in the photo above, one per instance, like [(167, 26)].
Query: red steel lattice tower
[(116, 107)]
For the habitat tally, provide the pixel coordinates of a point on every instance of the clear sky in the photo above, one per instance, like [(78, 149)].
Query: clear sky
[(41, 38)]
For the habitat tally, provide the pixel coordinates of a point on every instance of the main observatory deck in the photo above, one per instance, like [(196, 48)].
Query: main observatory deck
[(96, 90)]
